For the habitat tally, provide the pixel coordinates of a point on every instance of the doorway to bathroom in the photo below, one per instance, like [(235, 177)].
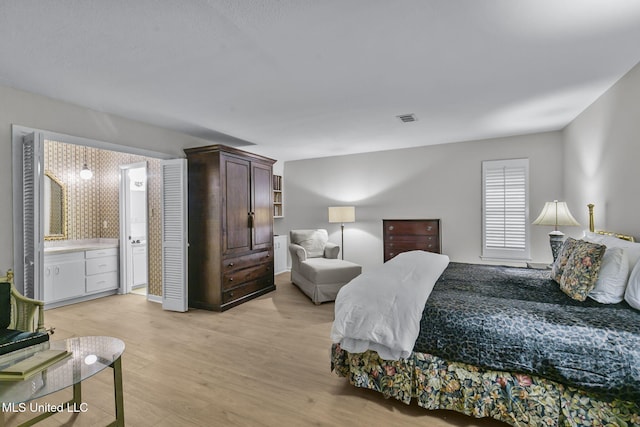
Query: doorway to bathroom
[(134, 227), (91, 208)]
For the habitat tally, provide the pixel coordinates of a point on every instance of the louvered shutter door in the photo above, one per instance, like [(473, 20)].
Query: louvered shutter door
[(174, 235), (30, 221), (505, 209)]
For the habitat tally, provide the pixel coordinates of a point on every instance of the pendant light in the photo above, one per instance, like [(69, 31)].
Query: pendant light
[(85, 173)]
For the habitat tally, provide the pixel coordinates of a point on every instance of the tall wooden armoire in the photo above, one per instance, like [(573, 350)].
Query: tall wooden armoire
[(230, 226)]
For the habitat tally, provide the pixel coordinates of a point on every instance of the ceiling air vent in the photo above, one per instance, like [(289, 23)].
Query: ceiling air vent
[(407, 118)]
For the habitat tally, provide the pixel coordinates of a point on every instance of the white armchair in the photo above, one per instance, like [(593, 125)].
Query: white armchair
[(315, 267)]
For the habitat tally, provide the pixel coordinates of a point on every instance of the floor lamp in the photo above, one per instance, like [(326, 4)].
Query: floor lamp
[(555, 213), (342, 214)]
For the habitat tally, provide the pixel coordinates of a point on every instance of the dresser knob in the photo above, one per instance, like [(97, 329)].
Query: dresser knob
[(231, 279), (391, 227), (429, 228), (230, 264)]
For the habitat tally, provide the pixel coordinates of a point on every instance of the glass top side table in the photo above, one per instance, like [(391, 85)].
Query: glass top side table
[(89, 355)]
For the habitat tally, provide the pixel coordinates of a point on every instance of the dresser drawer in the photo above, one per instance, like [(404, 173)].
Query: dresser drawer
[(402, 235), (246, 289), (237, 263), (235, 278), (410, 246), (417, 238), (101, 265), (390, 253), (102, 282), (97, 253), (420, 227)]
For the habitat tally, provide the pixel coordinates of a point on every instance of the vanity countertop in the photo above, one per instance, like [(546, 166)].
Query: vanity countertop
[(80, 245)]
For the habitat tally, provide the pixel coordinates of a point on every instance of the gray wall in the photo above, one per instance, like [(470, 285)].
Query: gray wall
[(442, 181), (602, 158)]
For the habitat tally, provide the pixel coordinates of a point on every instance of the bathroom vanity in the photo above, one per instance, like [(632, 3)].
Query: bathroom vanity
[(80, 270)]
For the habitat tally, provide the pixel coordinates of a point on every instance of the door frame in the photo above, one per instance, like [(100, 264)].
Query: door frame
[(126, 268)]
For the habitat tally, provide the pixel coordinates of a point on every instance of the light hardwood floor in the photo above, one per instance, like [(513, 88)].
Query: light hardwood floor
[(263, 363)]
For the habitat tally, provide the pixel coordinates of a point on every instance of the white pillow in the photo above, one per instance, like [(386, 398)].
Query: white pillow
[(632, 294), (612, 277), (631, 249)]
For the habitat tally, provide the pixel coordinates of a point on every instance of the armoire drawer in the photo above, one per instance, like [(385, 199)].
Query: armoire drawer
[(237, 263), (246, 289), (235, 278)]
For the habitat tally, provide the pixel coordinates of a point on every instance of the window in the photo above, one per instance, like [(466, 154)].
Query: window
[(505, 209)]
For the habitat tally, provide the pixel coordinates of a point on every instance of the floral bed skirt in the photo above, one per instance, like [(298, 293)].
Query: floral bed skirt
[(517, 399)]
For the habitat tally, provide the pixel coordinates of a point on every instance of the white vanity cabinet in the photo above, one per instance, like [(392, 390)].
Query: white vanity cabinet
[(63, 276), (101, 270), (139, 265), (80, 274)]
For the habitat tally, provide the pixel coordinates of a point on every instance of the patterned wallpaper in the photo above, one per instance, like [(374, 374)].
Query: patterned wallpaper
[(92, 202)]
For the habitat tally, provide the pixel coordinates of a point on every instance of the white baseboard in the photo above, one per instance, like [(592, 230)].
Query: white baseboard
[(154, 298)]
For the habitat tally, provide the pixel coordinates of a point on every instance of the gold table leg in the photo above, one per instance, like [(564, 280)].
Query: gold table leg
[(117, 391)]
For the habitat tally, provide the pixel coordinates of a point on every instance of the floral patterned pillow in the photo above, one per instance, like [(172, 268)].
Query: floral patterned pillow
[(565, 252), (581, 271)]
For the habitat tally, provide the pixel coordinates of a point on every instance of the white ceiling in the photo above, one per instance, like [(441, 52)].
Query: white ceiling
[(312, 78)]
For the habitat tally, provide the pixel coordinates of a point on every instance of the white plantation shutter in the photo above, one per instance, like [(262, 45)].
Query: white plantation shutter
[(174, 235), (505, 208)]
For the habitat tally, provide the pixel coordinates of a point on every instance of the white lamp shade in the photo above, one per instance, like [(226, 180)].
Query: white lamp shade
[(555, 213), (342, 214)]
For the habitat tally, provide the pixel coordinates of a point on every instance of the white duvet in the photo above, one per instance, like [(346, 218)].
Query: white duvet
[(381, 309)]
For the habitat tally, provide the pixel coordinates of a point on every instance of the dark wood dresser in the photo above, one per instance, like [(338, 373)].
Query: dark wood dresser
[(402, 235), (230, 226)]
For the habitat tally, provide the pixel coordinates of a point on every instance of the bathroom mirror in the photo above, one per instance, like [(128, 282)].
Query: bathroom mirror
[(55, 208)]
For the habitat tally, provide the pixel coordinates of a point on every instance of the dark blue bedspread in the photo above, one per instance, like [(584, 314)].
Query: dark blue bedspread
[(518, 320)]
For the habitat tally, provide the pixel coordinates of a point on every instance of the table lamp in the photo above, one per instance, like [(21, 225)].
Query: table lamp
[(555, 213)]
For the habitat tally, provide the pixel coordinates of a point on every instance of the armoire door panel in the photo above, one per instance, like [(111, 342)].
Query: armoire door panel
[(262, 206), (238, 205)]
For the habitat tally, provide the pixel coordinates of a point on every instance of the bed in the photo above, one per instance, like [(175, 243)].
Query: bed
[(531, 354)]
